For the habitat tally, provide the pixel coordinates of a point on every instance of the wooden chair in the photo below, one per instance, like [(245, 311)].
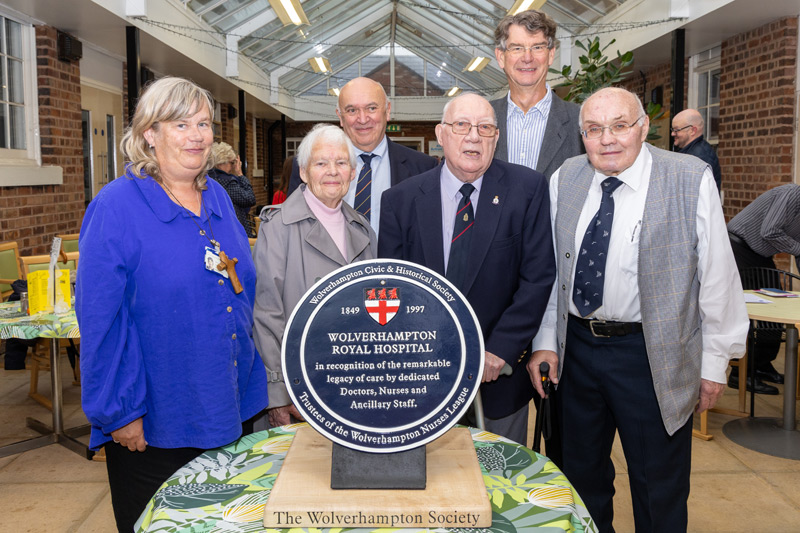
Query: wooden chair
[(69, 242), (252, 244), (9, 267), (40, 359)]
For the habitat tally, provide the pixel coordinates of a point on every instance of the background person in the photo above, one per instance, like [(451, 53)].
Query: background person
[(769, 225), (629, 221), (363, 112), (305, 238), (228, 172), (687, 129), (279, 196), (168, 365)]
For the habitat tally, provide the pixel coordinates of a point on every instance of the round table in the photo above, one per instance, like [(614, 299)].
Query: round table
[(224, 490), (774, 436)]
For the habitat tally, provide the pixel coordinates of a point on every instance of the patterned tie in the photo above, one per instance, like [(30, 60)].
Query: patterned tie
[(363, 187), (590, 267), (462, 235)]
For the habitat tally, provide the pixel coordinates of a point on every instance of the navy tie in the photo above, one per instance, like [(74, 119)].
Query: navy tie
[(462, 235), (362, 201), (591, 264)]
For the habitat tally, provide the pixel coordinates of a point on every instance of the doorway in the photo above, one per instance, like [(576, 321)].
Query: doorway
[(102, 126)]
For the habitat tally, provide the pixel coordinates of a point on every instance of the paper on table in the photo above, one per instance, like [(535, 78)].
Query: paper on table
[(753, 299)]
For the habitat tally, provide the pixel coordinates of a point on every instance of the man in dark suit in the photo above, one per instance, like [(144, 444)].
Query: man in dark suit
[(537, 128), (484, 224), (363, 113), (687, 128)]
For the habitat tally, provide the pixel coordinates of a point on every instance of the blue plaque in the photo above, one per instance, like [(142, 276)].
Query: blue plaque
[(382, 356)]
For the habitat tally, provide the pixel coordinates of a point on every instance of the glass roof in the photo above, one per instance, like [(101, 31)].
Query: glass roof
[(439, 37)]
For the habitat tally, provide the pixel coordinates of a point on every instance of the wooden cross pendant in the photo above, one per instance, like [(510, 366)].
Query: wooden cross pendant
[(230, 266)]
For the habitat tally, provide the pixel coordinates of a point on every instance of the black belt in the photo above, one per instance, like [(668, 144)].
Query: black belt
[(602, 328)]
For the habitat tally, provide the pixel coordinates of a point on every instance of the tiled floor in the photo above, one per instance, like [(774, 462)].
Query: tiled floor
[(54, 490)]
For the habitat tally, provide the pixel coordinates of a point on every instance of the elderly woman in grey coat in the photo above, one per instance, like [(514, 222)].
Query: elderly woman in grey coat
[(308, 236)]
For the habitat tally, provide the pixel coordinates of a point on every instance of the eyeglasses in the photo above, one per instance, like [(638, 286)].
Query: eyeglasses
[(676, 130), (536, 49), (462, 127), (620, 129)]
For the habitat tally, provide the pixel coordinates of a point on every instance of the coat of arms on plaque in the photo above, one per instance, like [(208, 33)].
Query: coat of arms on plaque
[(382, 303)]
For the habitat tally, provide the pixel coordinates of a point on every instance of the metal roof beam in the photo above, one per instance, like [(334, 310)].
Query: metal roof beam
[(339, 37), (259, 21)]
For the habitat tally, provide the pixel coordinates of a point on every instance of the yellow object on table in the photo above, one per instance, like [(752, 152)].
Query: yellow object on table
[(38, 284)]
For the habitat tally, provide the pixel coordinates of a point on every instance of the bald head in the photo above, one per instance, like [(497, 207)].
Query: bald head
[(687, 126), (363, 112)]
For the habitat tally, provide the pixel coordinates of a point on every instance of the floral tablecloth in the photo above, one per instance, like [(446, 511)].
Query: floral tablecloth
[(224, 490), (14, 324)]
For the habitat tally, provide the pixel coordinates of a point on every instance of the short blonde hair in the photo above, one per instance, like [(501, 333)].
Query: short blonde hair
[(222, 153), (164, 100)]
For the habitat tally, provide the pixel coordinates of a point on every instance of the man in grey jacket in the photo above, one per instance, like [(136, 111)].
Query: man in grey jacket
[(537, 128), (644, 316)]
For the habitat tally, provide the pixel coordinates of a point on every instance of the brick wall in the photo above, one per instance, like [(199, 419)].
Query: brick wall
[(32, 216), (757, 86)]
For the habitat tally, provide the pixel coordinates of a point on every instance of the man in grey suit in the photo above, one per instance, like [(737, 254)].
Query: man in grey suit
[(537, 128), (646, 312)]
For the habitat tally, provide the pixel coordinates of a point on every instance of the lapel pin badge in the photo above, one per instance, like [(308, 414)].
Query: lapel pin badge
[(496, 200)]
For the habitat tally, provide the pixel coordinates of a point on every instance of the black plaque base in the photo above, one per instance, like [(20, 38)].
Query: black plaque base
[(352, 469)]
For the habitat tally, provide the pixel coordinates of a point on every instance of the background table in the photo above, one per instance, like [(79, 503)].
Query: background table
[(774, 436), (53, 327), (225, 489)]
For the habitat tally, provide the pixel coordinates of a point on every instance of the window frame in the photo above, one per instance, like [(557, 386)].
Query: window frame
[(706, 62)]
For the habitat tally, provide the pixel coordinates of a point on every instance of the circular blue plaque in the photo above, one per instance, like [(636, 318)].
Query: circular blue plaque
[(382, 356)]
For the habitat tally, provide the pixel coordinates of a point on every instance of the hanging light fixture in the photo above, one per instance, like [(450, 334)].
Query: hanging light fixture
[(333, 91), (319, 64), (289, 12), (525, 5), (454, 90), (477, 63)]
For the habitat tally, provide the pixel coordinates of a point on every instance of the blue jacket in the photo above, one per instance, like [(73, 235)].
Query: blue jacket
[(512, 265), (700, 148), (163, 338)]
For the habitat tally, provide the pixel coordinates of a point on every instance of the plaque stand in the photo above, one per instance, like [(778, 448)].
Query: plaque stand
[(352, 469), (454, 497)]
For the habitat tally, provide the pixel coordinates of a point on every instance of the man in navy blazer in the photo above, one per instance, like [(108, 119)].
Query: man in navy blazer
[(363, 112), (510, 264)]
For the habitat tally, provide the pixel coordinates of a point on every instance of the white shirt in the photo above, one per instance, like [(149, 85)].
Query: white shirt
[(722, 308), (451, 197), (381, 180)]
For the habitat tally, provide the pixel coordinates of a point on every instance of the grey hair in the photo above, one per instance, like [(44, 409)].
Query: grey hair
[(327, 133), (532, 21), (618, 90)]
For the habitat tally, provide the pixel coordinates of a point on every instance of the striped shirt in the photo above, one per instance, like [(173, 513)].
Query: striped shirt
[(771, 223), (526, 130)]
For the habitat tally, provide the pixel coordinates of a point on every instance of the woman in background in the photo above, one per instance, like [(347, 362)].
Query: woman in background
[(228, 172)]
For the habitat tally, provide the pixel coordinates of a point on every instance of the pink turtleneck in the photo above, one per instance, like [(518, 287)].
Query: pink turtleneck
[(332, 219)]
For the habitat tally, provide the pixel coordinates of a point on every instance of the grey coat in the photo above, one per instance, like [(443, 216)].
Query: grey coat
[(562, 138), (292, 253)]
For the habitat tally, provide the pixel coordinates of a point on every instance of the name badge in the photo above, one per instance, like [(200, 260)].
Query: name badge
[(211, 261)]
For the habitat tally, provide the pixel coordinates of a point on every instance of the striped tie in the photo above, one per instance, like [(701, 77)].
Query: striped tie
[(462, 235), (364, 187)]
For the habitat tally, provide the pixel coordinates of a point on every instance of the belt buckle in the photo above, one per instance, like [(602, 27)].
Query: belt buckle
[(592, 323)]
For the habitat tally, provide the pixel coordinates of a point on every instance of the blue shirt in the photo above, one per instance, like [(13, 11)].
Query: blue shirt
[(163, 338), (526, 130)]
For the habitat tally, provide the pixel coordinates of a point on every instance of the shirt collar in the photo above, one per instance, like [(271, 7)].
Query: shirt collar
[(451, 185), (633, 175), (163, 206), (542, 106), (379, 151)]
